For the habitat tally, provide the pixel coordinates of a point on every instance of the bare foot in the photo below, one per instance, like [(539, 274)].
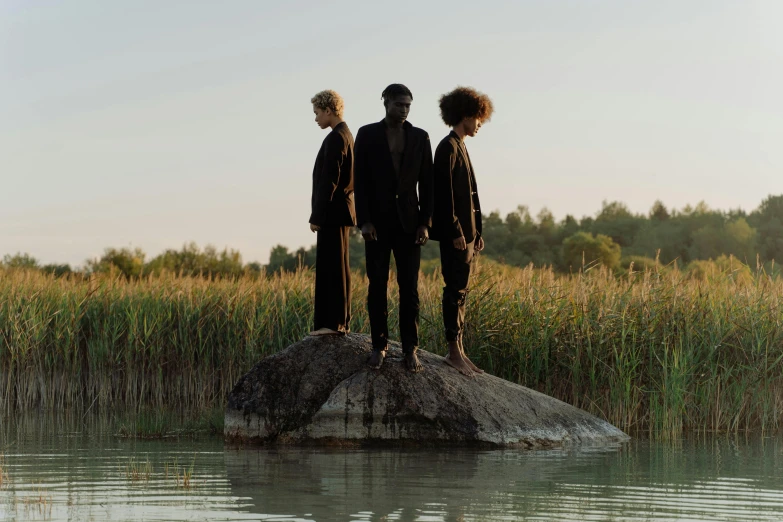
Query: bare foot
[(468, 361), (412, 362), (376, 359), (325, 331), (459, 364), (471, 365)]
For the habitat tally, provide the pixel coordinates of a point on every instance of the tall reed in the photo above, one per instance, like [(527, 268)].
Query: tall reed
[(648, 351)]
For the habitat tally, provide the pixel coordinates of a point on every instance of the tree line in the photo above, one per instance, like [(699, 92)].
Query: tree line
[(692, 237), (614, 237), (132, 263)]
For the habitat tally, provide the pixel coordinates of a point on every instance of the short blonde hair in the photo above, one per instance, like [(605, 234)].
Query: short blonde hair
[(329, 99)]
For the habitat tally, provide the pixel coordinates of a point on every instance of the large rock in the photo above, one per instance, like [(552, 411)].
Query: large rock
[(319, 390)]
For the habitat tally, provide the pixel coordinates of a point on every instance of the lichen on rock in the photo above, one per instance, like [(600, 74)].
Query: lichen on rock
[(319, 390)]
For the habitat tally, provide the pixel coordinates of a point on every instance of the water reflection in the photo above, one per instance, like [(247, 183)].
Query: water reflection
[(73, 468), (700, 479)]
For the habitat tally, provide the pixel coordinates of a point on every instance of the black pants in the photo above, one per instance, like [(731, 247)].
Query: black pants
[(407, 256), (332, 279), (455, 266)]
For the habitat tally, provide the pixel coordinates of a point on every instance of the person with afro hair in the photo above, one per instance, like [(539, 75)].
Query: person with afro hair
[(333, 215), (456, 218)]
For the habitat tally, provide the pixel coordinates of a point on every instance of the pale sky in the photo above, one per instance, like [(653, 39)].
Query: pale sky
[(154, 123)]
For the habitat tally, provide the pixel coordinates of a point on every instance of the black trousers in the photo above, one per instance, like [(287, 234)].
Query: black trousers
[(332, 279), (407, 257), (455, 266)]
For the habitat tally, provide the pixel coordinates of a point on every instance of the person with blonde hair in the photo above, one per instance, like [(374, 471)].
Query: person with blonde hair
[(332, 217), (456, 218)]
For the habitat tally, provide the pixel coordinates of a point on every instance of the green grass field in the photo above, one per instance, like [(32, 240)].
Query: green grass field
[(655, 351)]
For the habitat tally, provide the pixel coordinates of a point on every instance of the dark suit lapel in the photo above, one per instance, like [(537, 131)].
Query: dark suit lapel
[(382, 141), (464, 152), (407, 157), (470, 166)]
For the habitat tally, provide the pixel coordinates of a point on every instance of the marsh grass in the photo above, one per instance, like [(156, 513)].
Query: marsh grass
[(654, 350), (144, 424), (139, 470), (161, 423), (183, 477), (143, 471), (37, 504), (4, 478)]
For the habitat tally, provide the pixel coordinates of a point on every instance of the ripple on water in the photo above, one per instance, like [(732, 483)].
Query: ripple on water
[(90, 475)]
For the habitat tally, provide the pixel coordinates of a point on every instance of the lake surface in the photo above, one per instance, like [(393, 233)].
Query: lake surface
[(75, 469)]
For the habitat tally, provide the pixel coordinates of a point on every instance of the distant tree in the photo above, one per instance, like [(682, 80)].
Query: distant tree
[(281, 259), (586, 223), (771, 240), (616, 221), (547, 229), (701, 208), (736, 213), (20, 260), (768, 220), (278, 258), (568, 227), (736, 238), (127, 262), (740, 240), (613, 210), (706, 243), (57, 270), (193, 261), (546, 222), (519, 221), (254, 269), (254, 266), (496, 234), (585, 246), (659, 212), (224, 263)]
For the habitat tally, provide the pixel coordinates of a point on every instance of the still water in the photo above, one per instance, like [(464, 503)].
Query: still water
[(75, 469)]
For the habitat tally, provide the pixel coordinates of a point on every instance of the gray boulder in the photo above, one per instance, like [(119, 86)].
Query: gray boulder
[(319, 390)]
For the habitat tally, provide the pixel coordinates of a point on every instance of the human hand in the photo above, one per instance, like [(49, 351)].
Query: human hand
[(422, 235), (459, 243), (479, 244), (314, 228), (368, 232)]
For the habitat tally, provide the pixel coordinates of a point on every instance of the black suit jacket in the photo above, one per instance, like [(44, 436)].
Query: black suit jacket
[(457, 210), (382, 196), (332, 200)]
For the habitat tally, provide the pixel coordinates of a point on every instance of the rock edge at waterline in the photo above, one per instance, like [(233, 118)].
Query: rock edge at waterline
[(319, 390)]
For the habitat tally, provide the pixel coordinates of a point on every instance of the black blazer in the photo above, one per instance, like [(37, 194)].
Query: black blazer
[(380, 195), (457, 211), (332, 200)]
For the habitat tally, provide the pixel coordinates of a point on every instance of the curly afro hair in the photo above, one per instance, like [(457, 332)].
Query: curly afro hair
[(465, 102), (329, 100)]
